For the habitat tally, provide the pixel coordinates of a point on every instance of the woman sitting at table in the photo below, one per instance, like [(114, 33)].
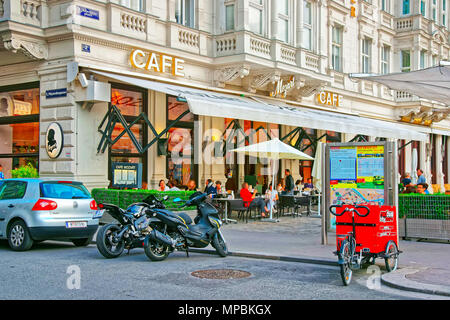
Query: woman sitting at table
[(250, 200), (271, 197)]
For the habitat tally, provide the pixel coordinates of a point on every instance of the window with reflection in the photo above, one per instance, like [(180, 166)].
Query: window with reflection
[(180, 144), (19, 126), (131, 102)]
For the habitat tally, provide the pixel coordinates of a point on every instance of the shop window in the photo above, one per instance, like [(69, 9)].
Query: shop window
[(19, 127), (131, 102), (180, 143)]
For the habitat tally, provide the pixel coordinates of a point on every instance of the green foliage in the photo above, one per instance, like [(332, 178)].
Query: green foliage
[(124, 198), (28, 171), (424, 206)]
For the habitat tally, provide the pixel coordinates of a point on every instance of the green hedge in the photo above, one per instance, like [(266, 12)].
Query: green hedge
[(124, 198), (424, 206)]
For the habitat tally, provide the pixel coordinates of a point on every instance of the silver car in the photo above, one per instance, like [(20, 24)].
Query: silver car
[(33, 210)]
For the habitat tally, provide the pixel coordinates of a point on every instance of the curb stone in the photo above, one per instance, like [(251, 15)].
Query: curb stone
[(397, 279)]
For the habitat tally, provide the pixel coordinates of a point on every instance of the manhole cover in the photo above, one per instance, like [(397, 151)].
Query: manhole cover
[(221, 274)]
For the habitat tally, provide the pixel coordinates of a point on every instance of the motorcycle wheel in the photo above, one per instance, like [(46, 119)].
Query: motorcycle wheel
[(105, 243), (219, 244), (156, 251)]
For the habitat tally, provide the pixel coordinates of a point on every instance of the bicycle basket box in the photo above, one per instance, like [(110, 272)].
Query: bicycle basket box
[(373, 232)]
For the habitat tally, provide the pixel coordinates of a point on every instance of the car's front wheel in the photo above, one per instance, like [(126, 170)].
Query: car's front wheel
[(19, 237)]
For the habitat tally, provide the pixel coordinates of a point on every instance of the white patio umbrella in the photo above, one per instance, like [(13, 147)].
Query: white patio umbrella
[(317, 171), (414, 166), (274, 150)]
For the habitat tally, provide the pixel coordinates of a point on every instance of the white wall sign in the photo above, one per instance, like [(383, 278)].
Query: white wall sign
[(54, 140)]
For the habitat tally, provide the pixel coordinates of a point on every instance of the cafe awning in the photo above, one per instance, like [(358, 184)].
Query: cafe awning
[(214, 104), (430, 83)]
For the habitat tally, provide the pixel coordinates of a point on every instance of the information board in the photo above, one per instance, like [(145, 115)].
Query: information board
[(127, 175)]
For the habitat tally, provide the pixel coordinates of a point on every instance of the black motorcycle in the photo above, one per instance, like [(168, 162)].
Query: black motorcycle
[(176, 231), (132, 229)]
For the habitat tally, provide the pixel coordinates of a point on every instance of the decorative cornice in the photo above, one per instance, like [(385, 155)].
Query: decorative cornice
[(33, 50), (228, 74)]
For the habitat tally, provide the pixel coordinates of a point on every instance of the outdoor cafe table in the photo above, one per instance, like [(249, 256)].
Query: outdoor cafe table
[(225, 200), (309, 196)]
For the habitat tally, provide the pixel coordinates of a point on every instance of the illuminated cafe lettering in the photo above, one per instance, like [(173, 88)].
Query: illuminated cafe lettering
[(282, 89), (157, 62), (329, 99)]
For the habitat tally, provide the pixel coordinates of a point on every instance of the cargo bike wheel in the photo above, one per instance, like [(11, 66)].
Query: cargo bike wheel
[(345, 258), (391, 256)]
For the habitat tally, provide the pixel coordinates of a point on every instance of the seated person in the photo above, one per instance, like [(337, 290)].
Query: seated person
[(250, 200), (422, 188), (271, 197), (210, 189), (219, 187), (308, 185), (172, 186), (409, 189), (406, 180), (191, 185), (298, 185)]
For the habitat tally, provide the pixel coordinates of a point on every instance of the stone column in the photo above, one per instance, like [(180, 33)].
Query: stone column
[(157, 116)]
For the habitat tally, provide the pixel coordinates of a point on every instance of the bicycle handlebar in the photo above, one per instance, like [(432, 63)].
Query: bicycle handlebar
[(349, 210)]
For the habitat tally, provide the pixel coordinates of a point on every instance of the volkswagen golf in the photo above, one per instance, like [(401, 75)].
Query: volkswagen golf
[(33, 210)]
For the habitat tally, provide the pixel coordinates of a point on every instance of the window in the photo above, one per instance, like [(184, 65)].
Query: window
[(405, 57), (283, 15), (444, 12), (365, 55), (255, 12), (435, 60), (385, 59), (423, 59), (336, 48), (406, 7), (180, 145), (422, 8), (64, 190), (385, 5), (19, 127), (131, 102), (307, 26), (433, 9), (137, 5), (229, 17), (185, 12), (13, 190)]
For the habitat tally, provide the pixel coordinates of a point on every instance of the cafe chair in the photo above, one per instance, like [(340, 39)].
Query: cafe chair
[(287, 203), (238, 206), (304, 201)]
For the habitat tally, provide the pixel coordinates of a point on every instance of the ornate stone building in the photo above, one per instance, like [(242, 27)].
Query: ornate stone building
[(57, 59)]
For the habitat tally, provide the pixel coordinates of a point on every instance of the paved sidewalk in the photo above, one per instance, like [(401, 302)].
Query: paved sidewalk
[(423, 266)]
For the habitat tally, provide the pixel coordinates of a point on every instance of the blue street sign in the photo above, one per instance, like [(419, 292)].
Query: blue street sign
[(88, 13), (56, 93)]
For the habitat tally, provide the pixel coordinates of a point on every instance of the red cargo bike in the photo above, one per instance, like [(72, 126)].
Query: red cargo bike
[(377, 237)]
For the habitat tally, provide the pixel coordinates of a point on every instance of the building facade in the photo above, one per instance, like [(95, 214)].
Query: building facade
[(61, 61)]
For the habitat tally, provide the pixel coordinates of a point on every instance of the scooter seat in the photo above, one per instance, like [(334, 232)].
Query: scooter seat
[(185, 217)]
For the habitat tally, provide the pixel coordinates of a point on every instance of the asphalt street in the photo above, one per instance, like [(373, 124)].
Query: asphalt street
[(50, 271)]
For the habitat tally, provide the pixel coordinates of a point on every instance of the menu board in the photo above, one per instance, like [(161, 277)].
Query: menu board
[(127, 175), (357, 174)]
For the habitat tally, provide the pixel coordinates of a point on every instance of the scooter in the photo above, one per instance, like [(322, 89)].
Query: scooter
[(176, 231)]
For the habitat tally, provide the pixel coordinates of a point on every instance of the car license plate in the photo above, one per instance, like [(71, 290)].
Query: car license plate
[(98, 214), (76, 224)]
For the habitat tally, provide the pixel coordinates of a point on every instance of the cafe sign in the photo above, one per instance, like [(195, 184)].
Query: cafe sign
[(157, 62), (281, 89), (329, 99)]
